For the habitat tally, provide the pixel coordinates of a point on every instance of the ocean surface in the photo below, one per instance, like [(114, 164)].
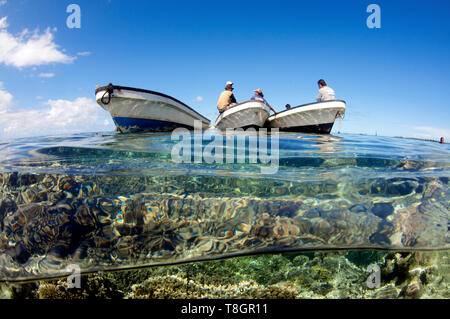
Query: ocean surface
[(109, 201)]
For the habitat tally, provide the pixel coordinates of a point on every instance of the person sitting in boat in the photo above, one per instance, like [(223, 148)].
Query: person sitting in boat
[(259, 96), (226, 99), (325, 92)]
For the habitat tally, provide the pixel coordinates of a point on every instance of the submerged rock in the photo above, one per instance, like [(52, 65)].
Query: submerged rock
[(386, 292), (91, 287), (174, 287), (108, 222), (382, 210)]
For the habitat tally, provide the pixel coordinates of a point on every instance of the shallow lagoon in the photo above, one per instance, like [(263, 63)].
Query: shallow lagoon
[(111, 201)]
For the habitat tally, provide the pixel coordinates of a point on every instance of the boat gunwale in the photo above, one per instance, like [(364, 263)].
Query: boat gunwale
[(303, 105), (239, 104), (119, 87)]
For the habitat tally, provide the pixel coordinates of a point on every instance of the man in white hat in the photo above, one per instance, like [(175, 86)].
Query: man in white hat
[(226, 99), (259, 96)]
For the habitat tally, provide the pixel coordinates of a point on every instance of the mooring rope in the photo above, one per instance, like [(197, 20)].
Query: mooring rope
[(109, 91)]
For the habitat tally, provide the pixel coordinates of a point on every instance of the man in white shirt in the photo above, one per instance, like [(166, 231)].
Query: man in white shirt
[(325, 93)]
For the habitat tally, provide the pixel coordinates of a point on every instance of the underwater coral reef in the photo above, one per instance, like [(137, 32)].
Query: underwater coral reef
[(318, 275)]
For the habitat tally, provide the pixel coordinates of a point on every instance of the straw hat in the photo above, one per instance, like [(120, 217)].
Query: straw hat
[(258, 91)]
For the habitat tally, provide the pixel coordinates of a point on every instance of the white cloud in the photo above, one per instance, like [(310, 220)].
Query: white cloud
[(65, 113), (6, 100), (46, 75), (198, 99), (2, 2), (84, 53), (30, 48), (431, 132), (3, 23), (58, 116)]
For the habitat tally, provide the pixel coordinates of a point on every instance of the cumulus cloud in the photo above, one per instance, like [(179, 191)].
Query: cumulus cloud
[(30, 48), (56, 117), (198, 99), (6, 100), (46, 75), (64, 113), (431, 132), (3, 23), (84, 53)]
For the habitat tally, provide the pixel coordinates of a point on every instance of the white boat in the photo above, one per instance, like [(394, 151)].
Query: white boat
[(316, 117), (134, 110), (244, 115)]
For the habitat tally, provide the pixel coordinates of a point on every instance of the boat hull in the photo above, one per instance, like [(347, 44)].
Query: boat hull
[(244, 115), (134, 125), (136, 110), (309, 118)]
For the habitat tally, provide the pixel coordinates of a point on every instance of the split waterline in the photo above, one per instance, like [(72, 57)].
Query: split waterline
[(119, 201)]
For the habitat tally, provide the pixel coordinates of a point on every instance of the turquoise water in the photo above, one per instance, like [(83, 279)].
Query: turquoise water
[(107, 201)]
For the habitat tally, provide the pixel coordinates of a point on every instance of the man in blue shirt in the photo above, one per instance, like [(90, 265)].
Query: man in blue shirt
[(259, 96)]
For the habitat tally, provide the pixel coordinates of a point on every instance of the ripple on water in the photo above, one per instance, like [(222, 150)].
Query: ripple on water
[(111, 201)]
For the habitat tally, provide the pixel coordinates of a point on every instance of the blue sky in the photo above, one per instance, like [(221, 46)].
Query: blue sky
[(394, 79)]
